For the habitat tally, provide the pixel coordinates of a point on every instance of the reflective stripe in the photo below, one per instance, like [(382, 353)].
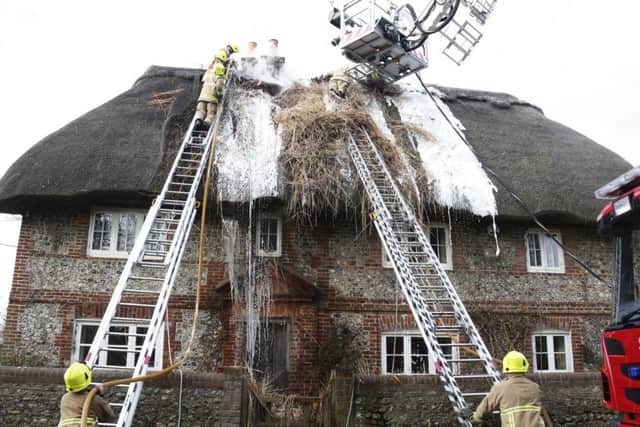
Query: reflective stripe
[(521, 408), (76, 420), (509, 414)]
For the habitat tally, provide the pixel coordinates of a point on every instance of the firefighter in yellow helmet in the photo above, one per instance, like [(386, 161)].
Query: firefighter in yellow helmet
[(339, 82), (517, 397), (212, 89), (77, 379)]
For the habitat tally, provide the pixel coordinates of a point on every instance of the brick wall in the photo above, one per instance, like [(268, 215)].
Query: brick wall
[(31, 396), (55, 283), (572, 400)]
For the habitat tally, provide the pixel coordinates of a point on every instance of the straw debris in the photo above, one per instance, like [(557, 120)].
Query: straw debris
[(318, 170)]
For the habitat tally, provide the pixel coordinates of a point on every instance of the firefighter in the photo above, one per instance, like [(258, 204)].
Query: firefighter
[(339, 82), (77, 379), (517, 397), (210, 95)]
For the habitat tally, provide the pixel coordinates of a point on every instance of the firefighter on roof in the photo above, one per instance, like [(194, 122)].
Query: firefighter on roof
[(77, 380), (517, 397), (339, 82), (213, 85)]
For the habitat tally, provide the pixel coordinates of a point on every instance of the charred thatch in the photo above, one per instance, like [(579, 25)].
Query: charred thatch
[(315, 131)]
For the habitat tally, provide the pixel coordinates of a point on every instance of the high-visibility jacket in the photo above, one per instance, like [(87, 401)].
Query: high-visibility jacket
[(212, 86), (71, 410), (517, 398)]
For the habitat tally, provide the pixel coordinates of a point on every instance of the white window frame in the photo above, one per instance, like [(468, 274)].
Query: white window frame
[(548, 335), (260, 251), (386, 261), (406, 336), (544, 268), (115, 213), (131, 344)]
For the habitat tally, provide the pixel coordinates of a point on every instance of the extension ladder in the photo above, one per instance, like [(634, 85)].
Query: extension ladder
[(434, 302), (144, 287)]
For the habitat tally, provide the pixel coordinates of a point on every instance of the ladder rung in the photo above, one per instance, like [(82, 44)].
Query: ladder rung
[(151, 265), (190, 168), (124, 334), (175, 202), (189, 161), (155, 279), (131, 319), (141, 291), (113, 367), (474, 394), (162, 230), (443, 314), (465, 360), (167, 221), (467, 377), (176, 175), (148, 251), (167, 210), (178, 192), (457, 344), (136, 304)]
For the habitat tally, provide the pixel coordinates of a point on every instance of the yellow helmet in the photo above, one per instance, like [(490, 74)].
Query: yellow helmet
[(218, 69), (234, 47), (222, 56), (77, 377), (514, 362)]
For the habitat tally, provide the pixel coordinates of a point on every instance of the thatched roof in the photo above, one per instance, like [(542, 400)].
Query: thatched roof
[(121, 150), (550, 166)]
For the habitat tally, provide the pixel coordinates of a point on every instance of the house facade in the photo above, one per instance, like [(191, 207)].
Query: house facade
[(295, 299)]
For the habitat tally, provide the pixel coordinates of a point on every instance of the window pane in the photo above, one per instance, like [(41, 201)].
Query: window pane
[(395, 345), (419, 364), (438, 240), (418, 346), (272, 244), (273, 226), (533, 245), (561, 361), (551, 250), (395, 364), (117, 356), (541, 354), (101, 232), (542, 362), (87, 332), (559, 344), (126, 232)]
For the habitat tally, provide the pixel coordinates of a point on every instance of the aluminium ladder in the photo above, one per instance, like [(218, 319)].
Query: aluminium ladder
[(434, 302), (143, 290)]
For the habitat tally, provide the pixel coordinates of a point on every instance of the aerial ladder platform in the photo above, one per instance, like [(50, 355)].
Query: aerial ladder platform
[(142, 293), (463, 363)]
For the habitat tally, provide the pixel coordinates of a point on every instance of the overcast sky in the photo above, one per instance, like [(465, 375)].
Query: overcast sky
[(576, 59)]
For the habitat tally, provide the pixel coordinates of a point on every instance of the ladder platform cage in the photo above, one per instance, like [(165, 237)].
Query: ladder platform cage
[(367, 35)]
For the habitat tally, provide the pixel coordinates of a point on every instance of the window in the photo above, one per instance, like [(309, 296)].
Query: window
[(544, 255), (112, 233), (552, 352), (440, 241), (125, 346), (269, 236), (406, 353)]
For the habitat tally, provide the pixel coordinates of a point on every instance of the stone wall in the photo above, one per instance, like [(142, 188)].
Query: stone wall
[(572, 400), (31, 396)]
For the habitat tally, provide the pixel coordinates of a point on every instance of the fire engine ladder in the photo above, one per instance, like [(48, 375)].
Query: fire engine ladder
[(462, 361), (143, 290)]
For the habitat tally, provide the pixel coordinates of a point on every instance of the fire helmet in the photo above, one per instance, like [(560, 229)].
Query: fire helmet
[(514, 362), (77, 377)]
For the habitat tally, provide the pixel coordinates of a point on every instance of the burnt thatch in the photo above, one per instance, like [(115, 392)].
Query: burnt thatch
[(120, 152)]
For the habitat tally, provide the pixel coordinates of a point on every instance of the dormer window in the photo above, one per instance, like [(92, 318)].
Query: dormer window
[(269, 236)]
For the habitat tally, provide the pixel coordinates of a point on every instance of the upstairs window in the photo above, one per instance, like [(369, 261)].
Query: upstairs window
[(112, 233), (406, 353), (552, 352), (440, 240), (269, 236), (544, 255), (124, 344)]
